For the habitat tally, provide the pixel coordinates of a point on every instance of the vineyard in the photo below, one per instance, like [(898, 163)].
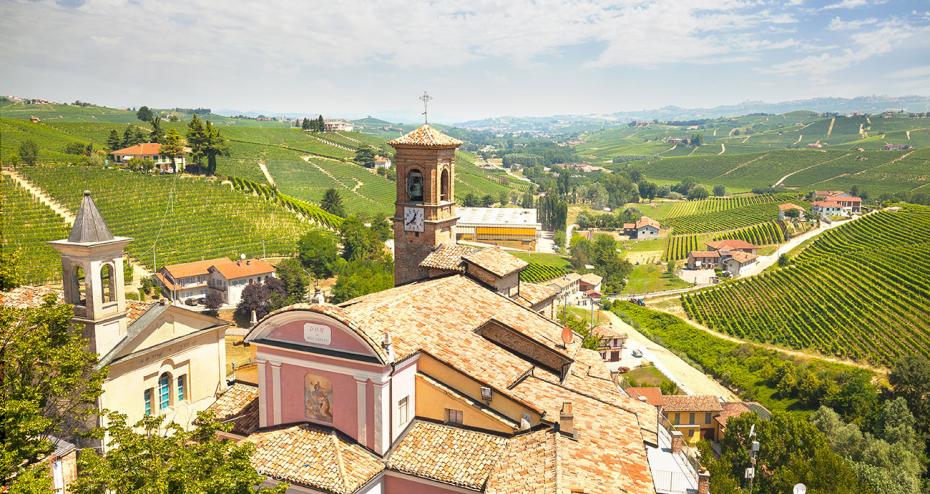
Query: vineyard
[(718, 204), (761, 234), (310, 211), (27, 225), (537, 273), (730, 219), (176, 218), (859, 291)]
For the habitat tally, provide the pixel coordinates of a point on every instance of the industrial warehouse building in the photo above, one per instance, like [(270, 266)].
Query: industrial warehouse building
[(507, 227)]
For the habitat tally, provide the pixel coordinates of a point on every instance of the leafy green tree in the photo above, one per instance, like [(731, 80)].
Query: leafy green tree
[(359, 241), (362, 277), (318, 251), (332, 202), (113, 142), (697, 192), (9, 272), (470, 200), (138, 137), (527, 201), (602, 254), (49, 384), (503, 198), (306, 124), (910, 379), (214, 300), (487, 200), (157, 457), (213, 145), (720, 191), (365, 156), (320, 125), (74, 148), (263, 298), (158, 133), (29, 152), (783, 260), (145, 114), (173, 147)]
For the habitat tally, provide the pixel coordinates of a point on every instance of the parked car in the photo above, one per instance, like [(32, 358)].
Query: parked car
[(191, 302), (202, 301), (637, 353)]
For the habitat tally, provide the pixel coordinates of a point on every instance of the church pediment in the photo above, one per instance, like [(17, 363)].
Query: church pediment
[(314, 332), (157, 326)]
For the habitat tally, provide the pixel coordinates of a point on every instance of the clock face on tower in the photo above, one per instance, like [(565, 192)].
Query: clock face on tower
[(413, 219)]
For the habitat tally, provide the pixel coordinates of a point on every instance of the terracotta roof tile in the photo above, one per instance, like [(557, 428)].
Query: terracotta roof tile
[(591, 278), (565, 281), (731, 244), (743, 257), (195, 268), (535, 293), (238, 405), (448, 454), (730, 410), (313, 458), (425, 137), (647, 221), (144, 149), (650, 395), (527, 465), (704, 253), (690, 403), (496, 261), (24, 297), (240, 269), (447, 257), (135, 309)]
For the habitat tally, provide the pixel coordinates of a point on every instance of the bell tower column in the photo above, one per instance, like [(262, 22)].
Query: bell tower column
[(424, 214)]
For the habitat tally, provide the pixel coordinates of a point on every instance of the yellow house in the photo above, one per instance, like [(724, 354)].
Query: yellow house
[(161, 359), (693, 416)]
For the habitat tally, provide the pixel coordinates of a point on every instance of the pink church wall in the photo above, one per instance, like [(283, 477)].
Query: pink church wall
[(396, 485), (339, 340), (344, 403)]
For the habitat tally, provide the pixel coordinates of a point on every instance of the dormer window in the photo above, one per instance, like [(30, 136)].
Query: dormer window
[(415, 186)]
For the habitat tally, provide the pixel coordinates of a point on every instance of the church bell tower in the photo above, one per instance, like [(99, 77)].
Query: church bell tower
[(92, 273), (424, 214)]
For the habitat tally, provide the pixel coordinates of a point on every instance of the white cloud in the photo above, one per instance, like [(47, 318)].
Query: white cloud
[(911, 73), (862, 46), (837, 24), (852, 4)]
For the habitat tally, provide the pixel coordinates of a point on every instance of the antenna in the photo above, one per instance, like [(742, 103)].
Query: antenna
[(426, 98)]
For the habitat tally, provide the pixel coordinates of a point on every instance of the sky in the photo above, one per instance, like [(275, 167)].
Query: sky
[(476, 58)]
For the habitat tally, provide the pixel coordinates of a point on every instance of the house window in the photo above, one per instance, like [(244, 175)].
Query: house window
[(691, 418), (182, 389), (707, 417), (454, 416), (147, 395), (403, 414), (164, 391), (677, 418)]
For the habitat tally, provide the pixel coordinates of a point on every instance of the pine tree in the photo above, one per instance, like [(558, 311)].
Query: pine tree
[(158, 133), (173, 147), (319, 124), (113, 142), (213, 145), (332, 202), (138, 136), (196, 136), (127, 137), (306, 124)]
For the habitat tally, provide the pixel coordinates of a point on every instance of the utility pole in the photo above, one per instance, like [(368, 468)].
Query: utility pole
[(753, 453)]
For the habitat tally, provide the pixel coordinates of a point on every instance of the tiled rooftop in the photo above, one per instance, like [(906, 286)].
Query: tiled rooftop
[(447, 257), (496, 261), (425, 137), (447, 454), (534, 293), (691, 403), (314, 458), (24, 297), (238, 406)]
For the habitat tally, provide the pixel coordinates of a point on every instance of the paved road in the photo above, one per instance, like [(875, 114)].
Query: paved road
[(763, 262), (690, 380)]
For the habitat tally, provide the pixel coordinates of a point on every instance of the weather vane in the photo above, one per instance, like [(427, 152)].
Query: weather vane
[(426, 98)]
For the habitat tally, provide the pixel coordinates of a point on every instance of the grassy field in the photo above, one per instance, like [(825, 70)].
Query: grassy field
[(178, 218), (866, 274), (27, 227), (647, 278)]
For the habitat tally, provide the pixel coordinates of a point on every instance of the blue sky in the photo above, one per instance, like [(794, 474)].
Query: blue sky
[(477, 58)]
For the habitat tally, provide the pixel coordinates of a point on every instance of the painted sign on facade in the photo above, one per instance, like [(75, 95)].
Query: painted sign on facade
[(317, 334), (318, 398)]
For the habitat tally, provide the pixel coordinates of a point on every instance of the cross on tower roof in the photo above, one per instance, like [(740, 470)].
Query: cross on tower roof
[(426, 98)]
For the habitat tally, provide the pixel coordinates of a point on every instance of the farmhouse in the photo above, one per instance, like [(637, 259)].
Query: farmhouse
[(507, 227), (162, 359), (382, 162), (642, 229), (194, 280), (444, 383), (338, 126), (150, 151), (897, 147), (729, 255), (692, 415), (609, 343), (783, 211), (836, 203)]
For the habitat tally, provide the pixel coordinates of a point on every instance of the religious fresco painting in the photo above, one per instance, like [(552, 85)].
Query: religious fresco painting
[(318, 397)]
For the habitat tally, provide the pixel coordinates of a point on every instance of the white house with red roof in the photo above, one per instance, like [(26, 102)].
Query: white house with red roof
[(836, 203), (730, 255), (194, 280), (643, 228), (150, 151)]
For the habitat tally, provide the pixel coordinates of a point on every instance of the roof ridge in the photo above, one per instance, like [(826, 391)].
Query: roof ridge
[(343, 475)]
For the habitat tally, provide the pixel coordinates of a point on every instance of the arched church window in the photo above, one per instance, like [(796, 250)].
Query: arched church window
[(444, 186), (164, 391), (80, 289), (415, 186)]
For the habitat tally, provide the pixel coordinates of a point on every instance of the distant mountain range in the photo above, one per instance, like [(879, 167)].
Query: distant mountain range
[(577, 123)]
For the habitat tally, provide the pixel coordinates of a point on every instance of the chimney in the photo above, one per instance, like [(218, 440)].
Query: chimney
[(567, 420), (703, 482), (678, 440), (254, 320)]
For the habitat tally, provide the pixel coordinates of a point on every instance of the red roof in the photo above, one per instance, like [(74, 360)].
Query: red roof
[(704, 253), (731, 244), (650, 395), (144, 149), (241, 269)]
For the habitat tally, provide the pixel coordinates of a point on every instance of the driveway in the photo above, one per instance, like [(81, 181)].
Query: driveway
[(689, 380), (698, 276)]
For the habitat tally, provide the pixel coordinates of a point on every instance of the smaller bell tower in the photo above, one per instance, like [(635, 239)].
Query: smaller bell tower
[(92, 274), (424, 215)]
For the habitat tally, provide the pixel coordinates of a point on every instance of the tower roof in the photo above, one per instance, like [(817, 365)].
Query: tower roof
[(89, 226), (426, 137)]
